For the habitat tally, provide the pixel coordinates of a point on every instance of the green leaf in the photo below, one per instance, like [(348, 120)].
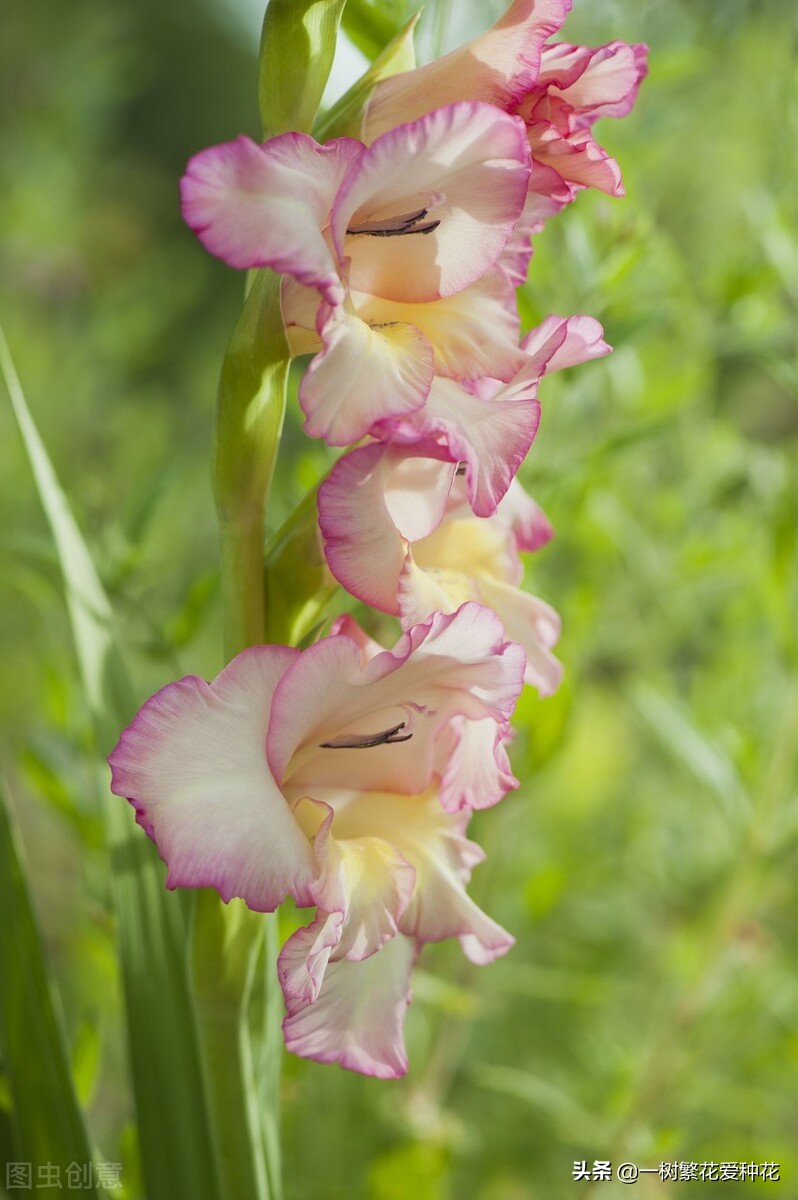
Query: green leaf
[(174, 1131), (47, 1124), (296, 54), (345, 118), (86, 1058)]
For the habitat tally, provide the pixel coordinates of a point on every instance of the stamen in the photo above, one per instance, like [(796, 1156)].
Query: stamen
[(365, 741), (396, 226), (461, 468)]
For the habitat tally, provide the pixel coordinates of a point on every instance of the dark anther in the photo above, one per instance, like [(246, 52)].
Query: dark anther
[(396, 226), (461, 469), (364, 741)]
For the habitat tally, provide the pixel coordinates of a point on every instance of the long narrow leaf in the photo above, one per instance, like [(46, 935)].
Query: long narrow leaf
[(174, 1132), (46, 1121)]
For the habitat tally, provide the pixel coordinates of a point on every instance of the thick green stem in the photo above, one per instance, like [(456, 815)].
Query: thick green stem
[(243, 597), (249, 421)]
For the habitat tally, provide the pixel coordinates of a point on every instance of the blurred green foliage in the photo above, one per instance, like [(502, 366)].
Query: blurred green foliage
[(646, 864)]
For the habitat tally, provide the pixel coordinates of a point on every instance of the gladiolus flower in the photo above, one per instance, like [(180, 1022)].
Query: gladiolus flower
[(342, 776), (400, 535), (390, 251), (559, 90)]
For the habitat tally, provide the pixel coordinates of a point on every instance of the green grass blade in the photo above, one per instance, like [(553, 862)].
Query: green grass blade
[(174, 1132), (46, 1121)]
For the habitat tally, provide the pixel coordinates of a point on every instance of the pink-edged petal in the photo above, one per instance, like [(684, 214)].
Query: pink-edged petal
[(348, 626), (358, 1019), (363, 375), (577, 158), (266, 206), (530, 526), (337, 723), (560, 342), (443, 571), (457, 663), (424, 590), (193, 765), (478, 772), (549, 194), (300, 308), (417, 488), (369, 883), (498, 67), (561, 65), (491, 436), (532, 623), (430, 206), (432, 840), (304, 957), (374, 498), (472, 333), (601, 83)]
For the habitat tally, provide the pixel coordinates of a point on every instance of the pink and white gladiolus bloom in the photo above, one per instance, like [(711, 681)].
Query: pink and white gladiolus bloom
[(342, 775), (559, 90), (389, 253), (400, 534)]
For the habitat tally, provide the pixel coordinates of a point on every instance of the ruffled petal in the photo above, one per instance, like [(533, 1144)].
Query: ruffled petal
[(369, 882), (560, 342), (432, 840), (430, 206), (363, 375), (358, 1018), (304, 957), (424, 590), (561, 65), (348, 626), (266, 206), (374, 499), (491, 435), (471, 545), (498, 67), (530, 526), (577, 158), (477, 773), (472, 333), (300, 308), (194, 767), (367, 885), (532, 623), (596, 83)]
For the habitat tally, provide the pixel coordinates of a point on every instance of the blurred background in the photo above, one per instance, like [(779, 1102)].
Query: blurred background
[(646, 866)]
